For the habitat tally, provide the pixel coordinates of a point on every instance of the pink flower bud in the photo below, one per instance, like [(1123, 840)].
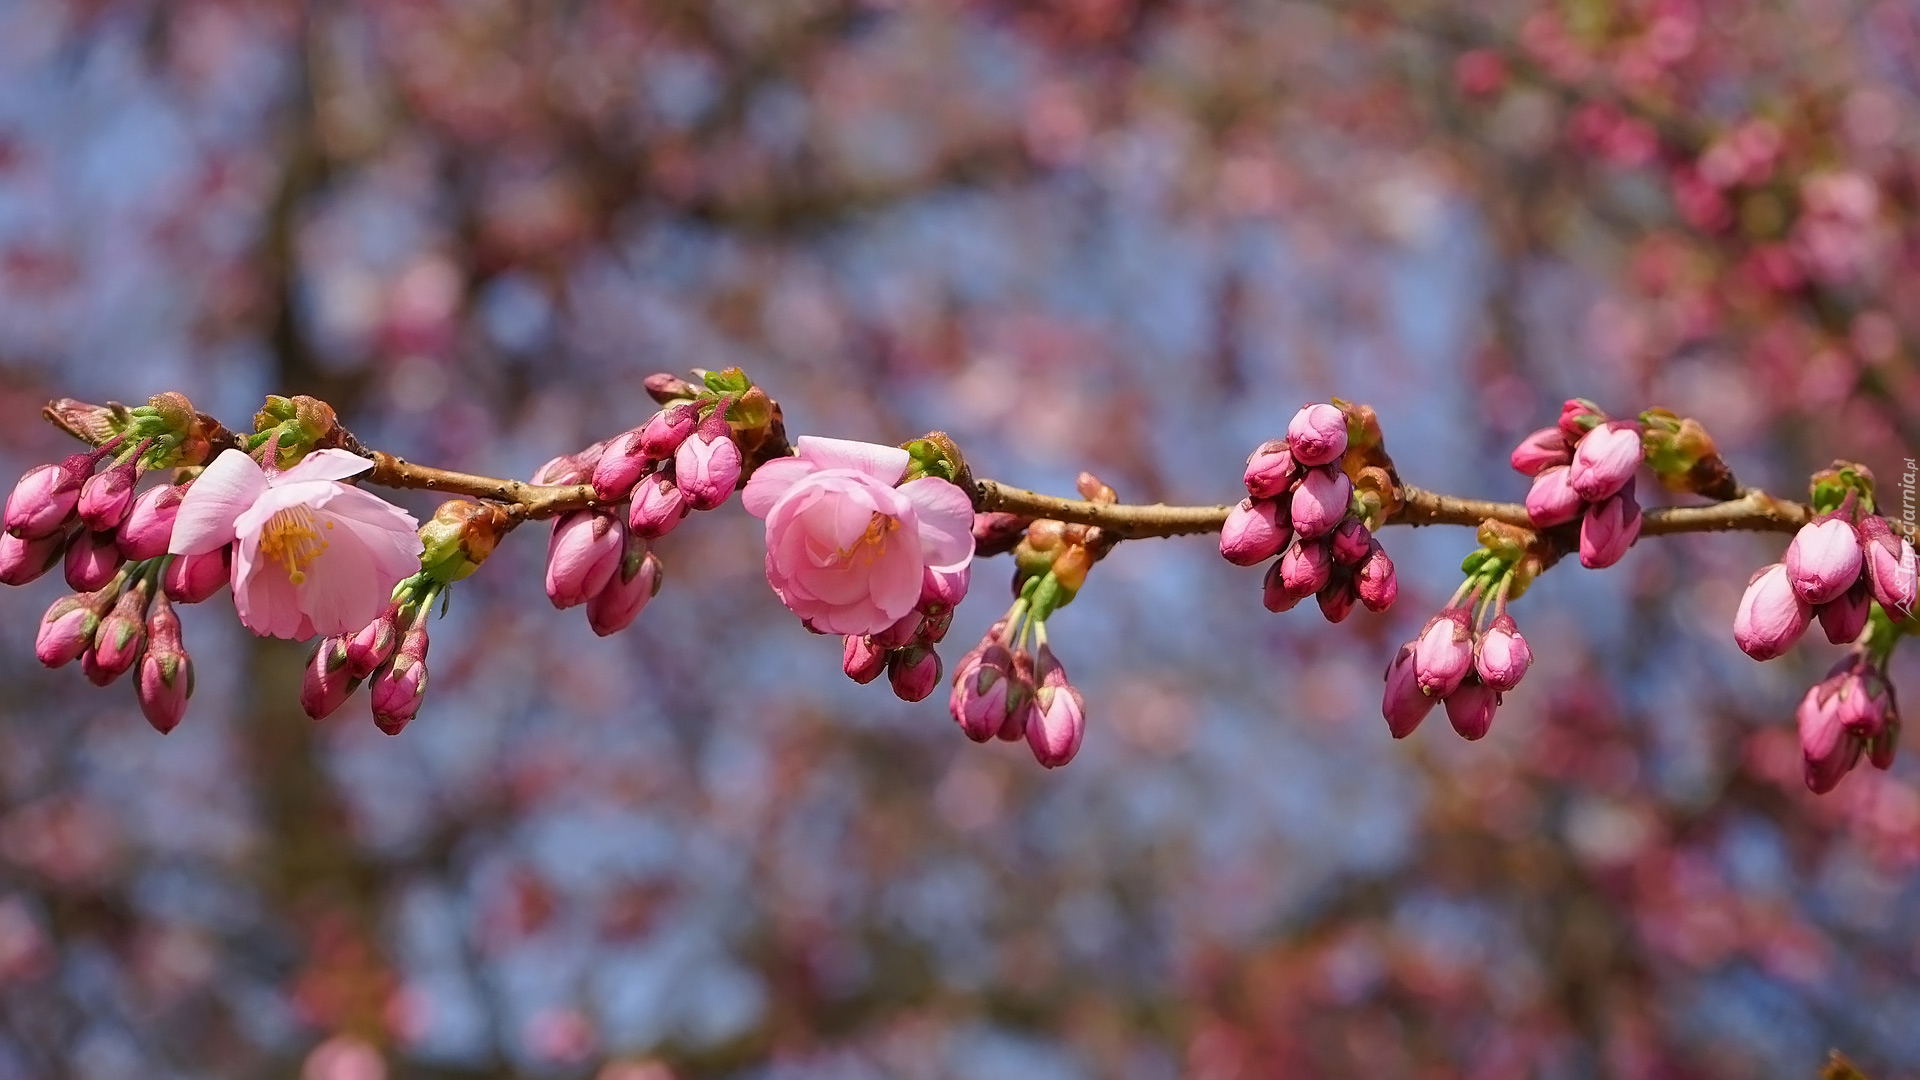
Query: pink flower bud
[(575, 468), (1470, 709), (1831, 748), (1404, 705), (1275, 595), (1319, 502), (1844, 617), (1579, 416), (914, 672), (1502, 656), (165, 680), (44, 498), (164, 684), (1443, 653), (1608, 530), (1605, 460), (1824, 559), (1270, 470), (121, 639), (189, 579), (1374, 580), (707, 465), (863, 663), (1552, 500), (22, 561), (1253, 533), (1336, 597), (92, 560), (934, 624), (1306, 568), (636, 581), (373, 644), (400, 687), (901, 634), (68, 629), (1020, 692), (329, 678), (582, 556), (1352, 541), (148, 527), (944, 586), (1317, 434), (658, 506), (981, 686), (1771, 616), (663, 433), (1057, 720), (1891, 569), (620, 466), (1540, 451), (106, 496)]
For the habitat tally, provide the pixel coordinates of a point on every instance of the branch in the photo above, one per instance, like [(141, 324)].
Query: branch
[(1753, 511), (524, 501)]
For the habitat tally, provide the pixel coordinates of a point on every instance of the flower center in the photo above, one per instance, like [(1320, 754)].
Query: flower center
[(872, 543), (292, 538)]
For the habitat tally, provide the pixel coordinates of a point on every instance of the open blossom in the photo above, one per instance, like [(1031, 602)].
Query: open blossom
[(311, 555), (846, 550)]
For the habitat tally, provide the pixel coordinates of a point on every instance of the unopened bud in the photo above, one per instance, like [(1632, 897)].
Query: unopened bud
[(148, 527), (106, 496), (22, 561), (662, 434), (637, 581), (914, 672), (621, 466), (668, 389), (189, 579), (46, 496), (862, 660), (1255, 531), (1270, 470), (706, 466), (582, 555), (1540, 451), (329, 679), (1317, 435), (1470, 709), (92, 560), (658, 506), (400, 687), (1319, 502)]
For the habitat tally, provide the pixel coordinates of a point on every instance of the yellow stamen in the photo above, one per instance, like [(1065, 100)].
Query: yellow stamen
[(292, 539), (872, 543)]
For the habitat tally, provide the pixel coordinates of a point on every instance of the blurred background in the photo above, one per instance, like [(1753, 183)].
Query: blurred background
[(1130, 236)]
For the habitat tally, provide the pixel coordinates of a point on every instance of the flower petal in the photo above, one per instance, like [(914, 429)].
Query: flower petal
[(264, 597), (324, 465), (946, 520), (772, 480), (886, 464), (223, 492)]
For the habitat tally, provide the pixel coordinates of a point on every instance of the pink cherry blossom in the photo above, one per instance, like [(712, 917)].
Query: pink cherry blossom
[(311, 555), (846, 550)]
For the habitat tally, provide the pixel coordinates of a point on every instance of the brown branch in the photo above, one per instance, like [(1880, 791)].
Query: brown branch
[(524, 501), (1753, 511)]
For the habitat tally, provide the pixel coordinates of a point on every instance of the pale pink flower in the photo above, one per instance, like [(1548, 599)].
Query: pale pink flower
[(311, 555), (846, 550)]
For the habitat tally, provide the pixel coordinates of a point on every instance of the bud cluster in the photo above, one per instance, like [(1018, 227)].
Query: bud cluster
[(1849, 569), (391, 651), (905, 650), (1471, 653), (1004, 689), (1302, 506), (1837, 567), (128, 621), (1583, 468), (688, 456)]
